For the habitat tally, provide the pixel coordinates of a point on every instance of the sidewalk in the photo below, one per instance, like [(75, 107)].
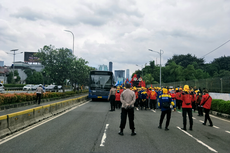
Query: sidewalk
[(14, 110)]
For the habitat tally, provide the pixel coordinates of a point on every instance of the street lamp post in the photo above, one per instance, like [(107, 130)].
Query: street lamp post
[(14, 50), (73, 38), (161, 52)]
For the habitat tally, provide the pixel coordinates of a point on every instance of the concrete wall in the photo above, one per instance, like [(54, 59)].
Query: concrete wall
[(223, 96)]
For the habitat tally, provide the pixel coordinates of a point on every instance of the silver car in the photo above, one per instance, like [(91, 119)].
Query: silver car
[(28, 87), (2, 88)]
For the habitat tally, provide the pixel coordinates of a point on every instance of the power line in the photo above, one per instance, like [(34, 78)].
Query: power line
[(217, 48)]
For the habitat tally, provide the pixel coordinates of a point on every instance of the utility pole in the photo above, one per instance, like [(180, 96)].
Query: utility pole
[(161, 52)]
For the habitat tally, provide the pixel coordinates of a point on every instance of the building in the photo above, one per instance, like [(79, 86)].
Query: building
[(1, 63), (119, 75), (127, 74), (103, 68), (111, 66)]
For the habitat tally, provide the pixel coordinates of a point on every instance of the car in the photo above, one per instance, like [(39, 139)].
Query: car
[(2, 88), (59, 87), (28, 87), (51, 88), (35, 87)]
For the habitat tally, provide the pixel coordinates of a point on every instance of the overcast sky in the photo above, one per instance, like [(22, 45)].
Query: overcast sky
[(120, 31)]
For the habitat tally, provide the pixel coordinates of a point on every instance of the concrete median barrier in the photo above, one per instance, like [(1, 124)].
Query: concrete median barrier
[(19, 120), (46, 111), (60, 107), (53, 108), (4, 130), (38, 113)]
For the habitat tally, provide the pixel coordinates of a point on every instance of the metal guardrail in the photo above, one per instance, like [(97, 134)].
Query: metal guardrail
[(219, 85)]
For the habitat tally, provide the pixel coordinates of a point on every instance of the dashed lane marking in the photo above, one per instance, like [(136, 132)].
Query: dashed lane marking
[(193, 118), (215, 127), (16, 134), (104, 136), (228, 132), (210, 148), (219, 118)]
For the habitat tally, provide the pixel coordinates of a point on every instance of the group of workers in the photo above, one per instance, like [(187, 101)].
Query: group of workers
[(190, 99)]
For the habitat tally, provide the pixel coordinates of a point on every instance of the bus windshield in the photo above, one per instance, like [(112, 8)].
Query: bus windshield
[(100, 82)]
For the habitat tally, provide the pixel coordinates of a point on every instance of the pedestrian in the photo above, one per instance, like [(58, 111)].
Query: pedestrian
[(128, 99), (137, 99), (117, 98), (144, 99), (206, 104), (187, 107), (153, 100), (198, 101), (39, 92), (165, 101), (111, 97)]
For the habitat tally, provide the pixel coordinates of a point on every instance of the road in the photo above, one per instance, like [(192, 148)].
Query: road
[(91, 127)]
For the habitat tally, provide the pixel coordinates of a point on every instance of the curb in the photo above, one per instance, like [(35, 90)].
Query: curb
[(227, 116)]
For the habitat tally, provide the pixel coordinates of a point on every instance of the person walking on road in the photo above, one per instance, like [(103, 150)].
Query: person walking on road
[(153, 100), (206, 104), (165, 101), (39, 92), (187, 107), (111, 97), (128, 99)]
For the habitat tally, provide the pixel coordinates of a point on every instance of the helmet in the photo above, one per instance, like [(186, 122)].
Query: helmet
[(165, 91), (186, 88)]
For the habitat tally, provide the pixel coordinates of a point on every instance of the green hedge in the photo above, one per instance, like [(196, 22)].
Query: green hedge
[(220, 105), (14, 85), (10, 98)]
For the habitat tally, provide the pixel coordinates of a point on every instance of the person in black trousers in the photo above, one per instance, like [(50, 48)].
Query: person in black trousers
[(128, 99), (112, 97)]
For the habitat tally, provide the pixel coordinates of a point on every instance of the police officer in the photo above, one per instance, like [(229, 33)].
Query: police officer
[(128, 99)]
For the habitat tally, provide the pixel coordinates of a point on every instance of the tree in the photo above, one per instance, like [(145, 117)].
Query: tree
[(58, 63), (10, 78), (149, 79), (185, 60), (189, 73)]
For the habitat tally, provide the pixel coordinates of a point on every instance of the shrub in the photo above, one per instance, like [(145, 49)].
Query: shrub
[(220, 105)]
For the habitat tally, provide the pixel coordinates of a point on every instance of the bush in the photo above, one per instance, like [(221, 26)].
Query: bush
[(22, 97), (14, 85), (220, 105)]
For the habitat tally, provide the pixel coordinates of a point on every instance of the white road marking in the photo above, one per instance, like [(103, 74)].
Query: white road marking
[(219, 118), (16, 134), (179, 112), (104, 136), (197, 140), (201, 121), (215, 127), (193, 118), (227, 132)]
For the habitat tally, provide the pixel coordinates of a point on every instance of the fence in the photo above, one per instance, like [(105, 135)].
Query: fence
[(219, 85)]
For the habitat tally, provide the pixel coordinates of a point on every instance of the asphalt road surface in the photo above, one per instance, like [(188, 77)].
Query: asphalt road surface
[(91, 127)]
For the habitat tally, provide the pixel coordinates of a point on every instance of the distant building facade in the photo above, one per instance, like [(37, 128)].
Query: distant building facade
[(127, 73), (103, 68), (2, 63), (111, 66), (119, 75)]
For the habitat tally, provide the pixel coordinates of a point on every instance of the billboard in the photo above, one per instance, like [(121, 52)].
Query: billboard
[(31, 57)]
